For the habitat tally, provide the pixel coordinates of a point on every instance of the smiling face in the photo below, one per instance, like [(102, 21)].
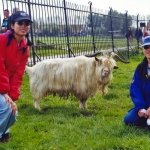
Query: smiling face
[(146, 51), (21, 28)]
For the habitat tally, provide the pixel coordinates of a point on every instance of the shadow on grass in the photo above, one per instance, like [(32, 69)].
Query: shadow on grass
[(110, 96), (56, 110)]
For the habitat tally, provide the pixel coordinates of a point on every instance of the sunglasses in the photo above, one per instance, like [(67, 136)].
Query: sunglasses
[(146, 47), (23, 22)]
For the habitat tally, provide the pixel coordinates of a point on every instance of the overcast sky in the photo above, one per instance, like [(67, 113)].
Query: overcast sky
[(134, 7)]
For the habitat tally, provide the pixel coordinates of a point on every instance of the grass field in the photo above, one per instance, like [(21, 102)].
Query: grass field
[(59, 45), (60, 125)]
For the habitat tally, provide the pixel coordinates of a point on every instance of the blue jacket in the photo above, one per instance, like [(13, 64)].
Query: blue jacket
[(140, 86)]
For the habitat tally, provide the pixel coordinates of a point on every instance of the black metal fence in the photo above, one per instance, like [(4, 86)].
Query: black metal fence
[(63, 29)]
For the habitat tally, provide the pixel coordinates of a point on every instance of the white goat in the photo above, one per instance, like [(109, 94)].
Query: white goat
[(81, 76)]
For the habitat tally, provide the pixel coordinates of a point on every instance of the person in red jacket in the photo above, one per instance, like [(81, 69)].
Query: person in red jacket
[(14, 54)]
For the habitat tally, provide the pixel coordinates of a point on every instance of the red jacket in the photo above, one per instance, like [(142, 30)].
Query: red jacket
[(13, 59)]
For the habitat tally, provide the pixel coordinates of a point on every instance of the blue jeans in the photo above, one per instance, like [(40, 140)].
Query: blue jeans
[(6, 117), (132, 118)]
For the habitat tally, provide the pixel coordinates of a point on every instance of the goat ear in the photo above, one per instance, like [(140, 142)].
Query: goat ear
[(112, 55), (105, 54), (96, 59), (115, 67)]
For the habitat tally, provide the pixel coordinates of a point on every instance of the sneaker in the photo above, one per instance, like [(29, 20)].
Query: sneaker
[(2, 140), (6, 137)]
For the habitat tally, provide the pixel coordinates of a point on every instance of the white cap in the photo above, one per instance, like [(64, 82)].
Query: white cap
[(148, 121), (146, 41)]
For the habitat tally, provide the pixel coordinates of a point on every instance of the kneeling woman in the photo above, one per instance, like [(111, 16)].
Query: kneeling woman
[(14, 54), (140, 90)]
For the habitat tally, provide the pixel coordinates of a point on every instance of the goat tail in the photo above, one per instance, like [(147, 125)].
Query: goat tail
[(28, 70)]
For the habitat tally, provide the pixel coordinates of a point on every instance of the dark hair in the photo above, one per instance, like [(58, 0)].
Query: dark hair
[(29, 43), (6, 10), (142, 69)]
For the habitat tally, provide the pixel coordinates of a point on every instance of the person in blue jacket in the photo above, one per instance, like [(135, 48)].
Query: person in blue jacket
[(138, 35), (140, 90)]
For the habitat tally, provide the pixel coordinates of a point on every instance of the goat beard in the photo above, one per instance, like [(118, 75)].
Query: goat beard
[(103, 86)]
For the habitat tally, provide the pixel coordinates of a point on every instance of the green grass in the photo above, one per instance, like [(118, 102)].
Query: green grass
[(60, 125)]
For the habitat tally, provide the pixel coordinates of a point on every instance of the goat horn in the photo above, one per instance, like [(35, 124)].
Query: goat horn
[(119, 58), (93, 55)]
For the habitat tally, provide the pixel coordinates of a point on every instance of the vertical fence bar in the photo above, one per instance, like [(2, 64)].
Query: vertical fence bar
[(31, 31), (66, 23), (127, 31), (137, 23), (111, 29), (91, 20)]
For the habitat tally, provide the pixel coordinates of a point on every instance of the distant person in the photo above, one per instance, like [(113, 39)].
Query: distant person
[(5, 20), (140, 90), (148, 31), (145, 32), (138, 35), (129, 35), (14, 52), (148, 24), (9, 19)]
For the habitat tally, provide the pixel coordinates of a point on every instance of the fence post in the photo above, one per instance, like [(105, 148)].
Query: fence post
[(127, 31), (91, 17), (111, 29), (31, 31), (68, 44), (137, 22)]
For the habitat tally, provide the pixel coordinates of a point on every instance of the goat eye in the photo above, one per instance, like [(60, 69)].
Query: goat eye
[(115, 67)]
